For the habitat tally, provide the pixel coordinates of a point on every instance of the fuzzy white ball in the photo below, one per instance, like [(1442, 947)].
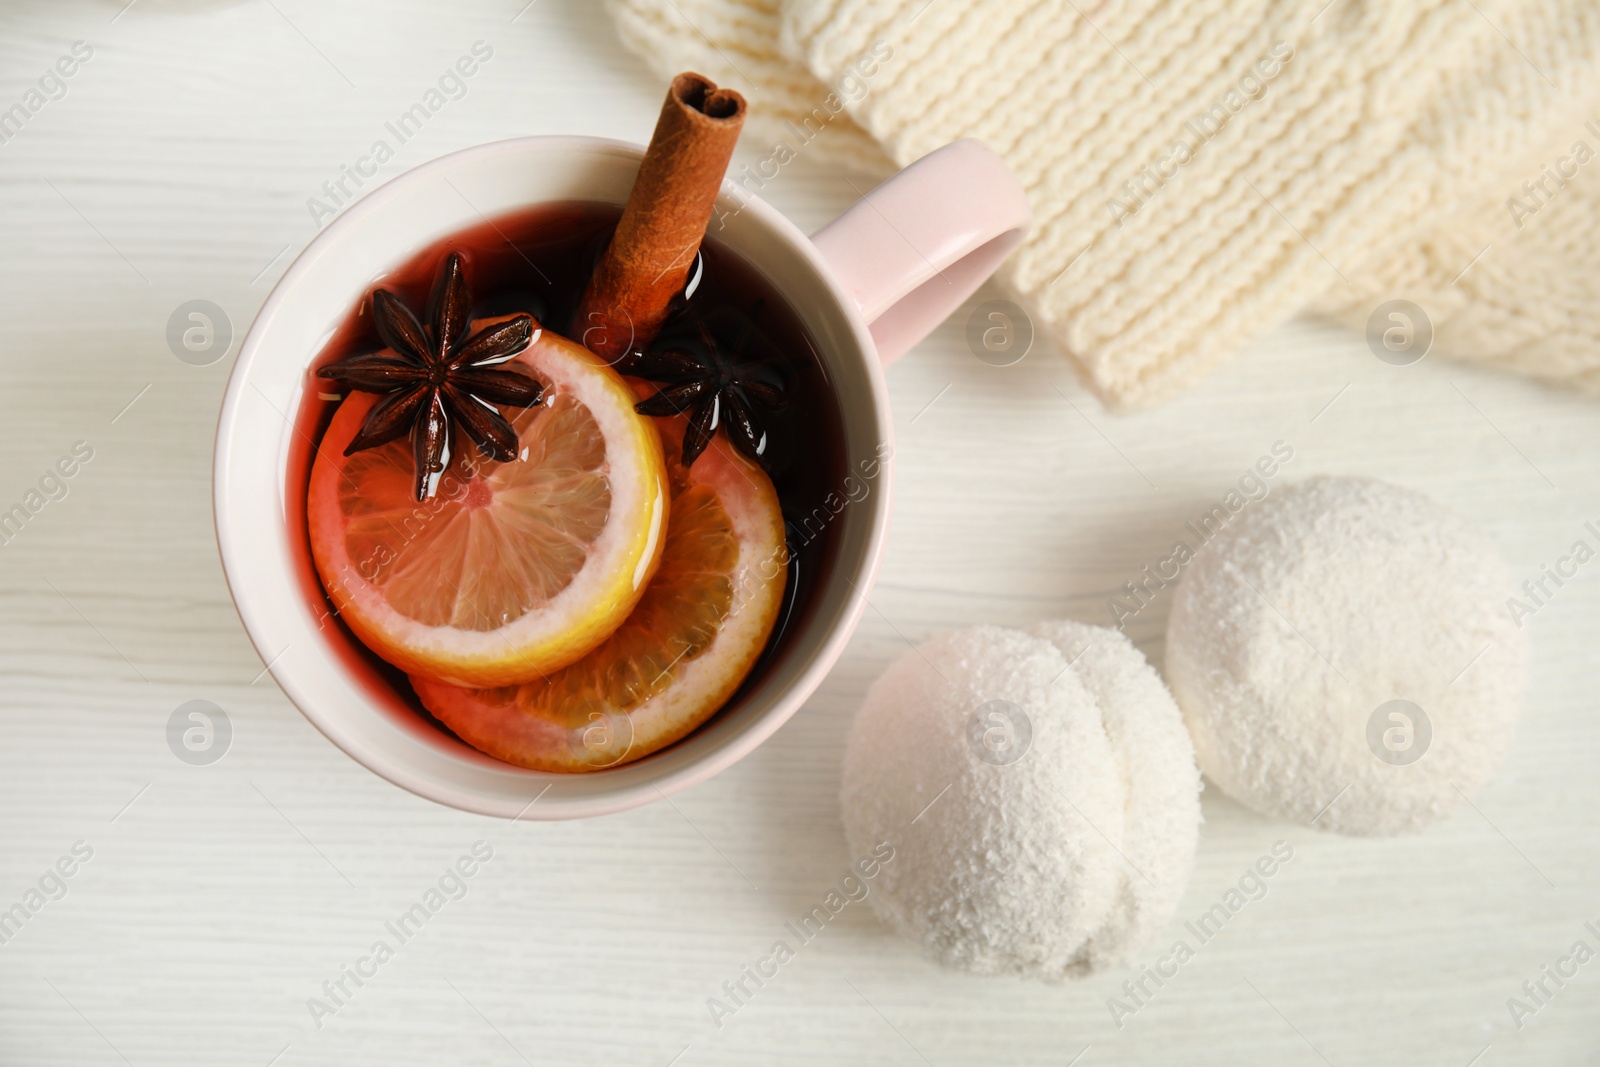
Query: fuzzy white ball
[(1344, 657), (1039, 791)]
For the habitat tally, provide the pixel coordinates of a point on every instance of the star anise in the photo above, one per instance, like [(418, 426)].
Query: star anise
[(437, 377), (715, 388)]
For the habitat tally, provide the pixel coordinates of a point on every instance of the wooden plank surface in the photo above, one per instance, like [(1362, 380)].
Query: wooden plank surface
[(219, 899)]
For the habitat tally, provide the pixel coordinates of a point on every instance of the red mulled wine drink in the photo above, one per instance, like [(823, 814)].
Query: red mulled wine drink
[(568, 559)]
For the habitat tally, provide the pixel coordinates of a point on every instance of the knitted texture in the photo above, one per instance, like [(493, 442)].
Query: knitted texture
[(1201, 170), (735, 43), (1513, 283)]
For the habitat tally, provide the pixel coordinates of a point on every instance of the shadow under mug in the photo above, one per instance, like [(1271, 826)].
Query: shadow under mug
[(867, 287)]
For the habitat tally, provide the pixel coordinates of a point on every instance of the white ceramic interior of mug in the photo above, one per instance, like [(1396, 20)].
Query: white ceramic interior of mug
[(347, 699)]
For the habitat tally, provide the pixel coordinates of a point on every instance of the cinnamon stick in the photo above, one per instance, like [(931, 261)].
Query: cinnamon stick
[(653, 248)]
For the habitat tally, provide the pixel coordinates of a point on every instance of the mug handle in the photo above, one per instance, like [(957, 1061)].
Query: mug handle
[(912, 250)]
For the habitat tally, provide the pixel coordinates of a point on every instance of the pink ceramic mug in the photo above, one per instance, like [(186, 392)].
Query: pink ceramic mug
[(868, 286)]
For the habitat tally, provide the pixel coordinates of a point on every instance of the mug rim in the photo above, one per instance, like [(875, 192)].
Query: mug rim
[(858, 572)]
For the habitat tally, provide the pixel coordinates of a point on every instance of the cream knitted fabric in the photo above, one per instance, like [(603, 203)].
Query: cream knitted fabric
[(735, 43), (1513, 283), (1202, 169)]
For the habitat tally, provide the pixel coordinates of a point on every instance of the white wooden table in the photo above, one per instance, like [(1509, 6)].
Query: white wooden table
[(220, 898)]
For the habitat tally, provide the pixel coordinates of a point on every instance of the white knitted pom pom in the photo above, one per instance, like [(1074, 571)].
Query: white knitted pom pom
[(1344, 657), (1040, 794)]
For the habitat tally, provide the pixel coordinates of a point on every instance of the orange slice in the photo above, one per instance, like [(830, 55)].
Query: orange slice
[(685, 650), (511, 570)]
